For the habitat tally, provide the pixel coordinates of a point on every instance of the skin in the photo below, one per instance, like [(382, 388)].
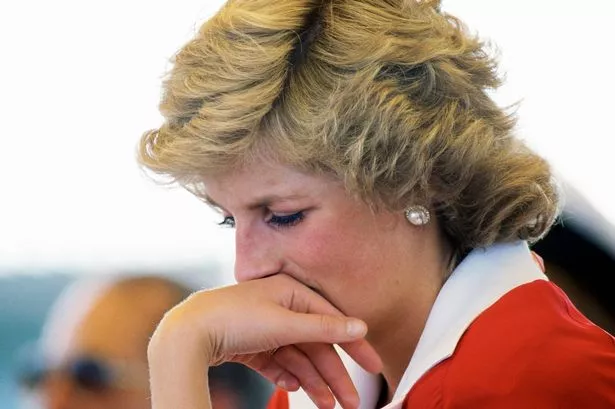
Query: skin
[(309, 256), (112, 325)]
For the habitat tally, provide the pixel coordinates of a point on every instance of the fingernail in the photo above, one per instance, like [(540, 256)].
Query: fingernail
[(356, 328)]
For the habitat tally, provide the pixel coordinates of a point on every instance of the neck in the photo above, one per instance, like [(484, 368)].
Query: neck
[(395, 338), (397, 346)]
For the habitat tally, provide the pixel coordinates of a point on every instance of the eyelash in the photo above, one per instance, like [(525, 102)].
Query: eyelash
[(286, 220), (229, 221), (277, 221)]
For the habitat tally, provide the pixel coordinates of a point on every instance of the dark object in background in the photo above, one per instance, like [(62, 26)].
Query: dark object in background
[(579, 253), (233, 381)]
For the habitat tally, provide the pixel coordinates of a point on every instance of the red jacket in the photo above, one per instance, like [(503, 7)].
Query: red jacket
[(531, 348)]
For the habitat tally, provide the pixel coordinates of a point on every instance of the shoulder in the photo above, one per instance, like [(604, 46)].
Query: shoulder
[(532, 347)]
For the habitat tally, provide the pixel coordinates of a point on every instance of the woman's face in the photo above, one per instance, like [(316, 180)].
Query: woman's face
[(309, 227)]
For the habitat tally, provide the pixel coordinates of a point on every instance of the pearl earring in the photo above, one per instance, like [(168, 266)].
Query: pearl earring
[(417, 215)]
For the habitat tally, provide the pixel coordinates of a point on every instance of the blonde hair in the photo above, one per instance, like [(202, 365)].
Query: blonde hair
[(390, 96)]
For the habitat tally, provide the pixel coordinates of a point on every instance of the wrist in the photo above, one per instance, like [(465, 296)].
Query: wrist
[(178, 374), (179, 340), (178, 365)]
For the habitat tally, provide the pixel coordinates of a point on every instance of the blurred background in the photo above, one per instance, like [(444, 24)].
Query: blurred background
[(81, 81)]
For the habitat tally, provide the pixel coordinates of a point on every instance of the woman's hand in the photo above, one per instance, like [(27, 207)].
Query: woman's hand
[(275, 325)]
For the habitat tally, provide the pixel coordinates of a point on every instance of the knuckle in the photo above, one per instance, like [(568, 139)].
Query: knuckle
[(329, 325)]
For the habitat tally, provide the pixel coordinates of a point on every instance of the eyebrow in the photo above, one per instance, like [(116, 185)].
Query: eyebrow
[(264, 201)]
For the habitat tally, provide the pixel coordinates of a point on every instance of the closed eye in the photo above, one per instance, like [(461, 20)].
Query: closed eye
[(286, 220)]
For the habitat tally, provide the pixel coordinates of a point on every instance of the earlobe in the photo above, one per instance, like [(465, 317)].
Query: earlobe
[(417, 215)]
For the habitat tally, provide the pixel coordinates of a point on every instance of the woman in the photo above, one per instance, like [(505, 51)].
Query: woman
[(380, 203)]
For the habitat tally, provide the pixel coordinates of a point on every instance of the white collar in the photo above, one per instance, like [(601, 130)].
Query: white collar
[(479, 281)]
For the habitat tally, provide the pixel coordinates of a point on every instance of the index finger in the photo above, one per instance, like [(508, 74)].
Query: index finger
[(303, 299)]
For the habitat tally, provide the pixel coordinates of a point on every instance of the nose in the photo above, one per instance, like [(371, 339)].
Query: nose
[(256, 255), (58, 393)]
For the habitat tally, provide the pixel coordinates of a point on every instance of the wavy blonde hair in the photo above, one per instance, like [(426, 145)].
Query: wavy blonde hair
[(390, 96)]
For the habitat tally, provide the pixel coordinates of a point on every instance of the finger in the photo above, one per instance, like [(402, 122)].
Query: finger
[(297, 363), (304, 299), (330, 366), (298, 297), (363, 354), (315, 328), (266, 365)]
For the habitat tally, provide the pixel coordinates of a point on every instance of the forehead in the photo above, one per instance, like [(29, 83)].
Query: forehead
[(113, 328), (110, 325), (261, 182)]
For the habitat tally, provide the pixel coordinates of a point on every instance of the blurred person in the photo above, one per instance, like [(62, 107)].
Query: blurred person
[(381, 202), (92, 352)]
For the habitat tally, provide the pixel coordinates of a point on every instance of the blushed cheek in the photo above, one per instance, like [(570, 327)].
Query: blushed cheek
[(312, 258), (311, 252), (331, 259)]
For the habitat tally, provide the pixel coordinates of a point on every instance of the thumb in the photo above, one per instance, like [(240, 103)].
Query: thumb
[(322, 328)]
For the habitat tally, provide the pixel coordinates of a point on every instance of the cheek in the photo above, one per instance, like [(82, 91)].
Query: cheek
[(346, 269), (328, 254), (130, 400)]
